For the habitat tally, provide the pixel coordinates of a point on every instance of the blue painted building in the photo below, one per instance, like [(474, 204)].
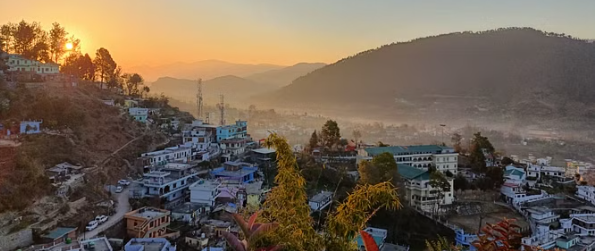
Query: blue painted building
[(237, 130), (149, 244), (235, 171)]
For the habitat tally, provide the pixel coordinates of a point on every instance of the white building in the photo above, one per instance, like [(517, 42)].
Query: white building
[(421, 157), (169, 154), (320, 200), (204, 192), (584, 224), (587, 193), (169, 182), (139, 114), (420, 193), (17, 63)]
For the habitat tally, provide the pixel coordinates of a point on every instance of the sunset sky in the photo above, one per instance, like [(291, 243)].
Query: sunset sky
[(153, 32)]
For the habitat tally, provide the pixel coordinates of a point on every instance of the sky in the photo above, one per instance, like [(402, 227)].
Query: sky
[(157, 32)]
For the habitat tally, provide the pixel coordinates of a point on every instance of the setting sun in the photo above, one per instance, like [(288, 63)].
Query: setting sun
[(69, 46)]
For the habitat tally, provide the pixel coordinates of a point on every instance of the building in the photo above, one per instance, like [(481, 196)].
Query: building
[(237, 130), (149, 244), (62, 169), (19, 64), (204, 192), (169, 154), (253, 195), (420, 194), (542, 215), (139, 114), (514, 173), (320, 201), (169, 182), (378, 235), (234, 146), (147, 222), (189, 213), (584, 224), (60, 235), (587, 193), (8, 157), (421, 157), (30, 127), (238, 172), (96, 244)]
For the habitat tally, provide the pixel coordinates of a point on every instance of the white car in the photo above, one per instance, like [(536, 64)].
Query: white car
[(124, 182), (119, 189), (91, 225), (101, 218)]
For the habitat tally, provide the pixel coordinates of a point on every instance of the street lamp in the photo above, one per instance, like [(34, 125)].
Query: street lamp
[(443, 125)]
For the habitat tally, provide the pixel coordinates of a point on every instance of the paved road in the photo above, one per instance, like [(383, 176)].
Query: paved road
[(122, 208)]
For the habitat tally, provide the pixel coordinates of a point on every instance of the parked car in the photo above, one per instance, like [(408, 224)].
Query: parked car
[(101, 218), (119, 189), (124, 182), (91, 225)]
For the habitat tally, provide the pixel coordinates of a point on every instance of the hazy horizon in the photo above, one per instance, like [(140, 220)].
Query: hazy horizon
[(282, 33)]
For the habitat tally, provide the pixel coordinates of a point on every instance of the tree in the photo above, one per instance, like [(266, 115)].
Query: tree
[(58, 41), (314, 140), (441, 244), (438, 181), (368, 173), (484, 143), (386, 164), (506, 161), (381, 144), (146, 90), (286, 205), (456, 140), (476, 157), (104, 65), (132, 83), (461, 183), (29, 40), (496, 176), (330, 133), (115, 79)]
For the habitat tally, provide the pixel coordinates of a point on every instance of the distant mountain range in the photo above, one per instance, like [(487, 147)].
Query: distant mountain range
[(206, 69), (237, 90), (506, 73)]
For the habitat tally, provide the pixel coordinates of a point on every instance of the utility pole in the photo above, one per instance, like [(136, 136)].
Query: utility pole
[(443, 125), (199, 100), (221, 107)]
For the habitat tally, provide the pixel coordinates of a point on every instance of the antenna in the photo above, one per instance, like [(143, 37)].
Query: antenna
[(207, 118), (221, 107), (199, 107)]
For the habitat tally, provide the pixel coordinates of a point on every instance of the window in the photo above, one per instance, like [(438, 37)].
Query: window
[(135, 223)]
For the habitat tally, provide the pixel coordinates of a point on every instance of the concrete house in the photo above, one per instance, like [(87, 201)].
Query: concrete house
[(147, 222)]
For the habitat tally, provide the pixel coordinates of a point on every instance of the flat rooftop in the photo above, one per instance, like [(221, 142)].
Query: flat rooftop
[(99, 244), (264, 150), (321, 196), (148, 213), (149, 246)]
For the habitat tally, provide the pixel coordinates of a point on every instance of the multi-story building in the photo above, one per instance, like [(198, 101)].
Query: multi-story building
[(199, 137), (149, 244), (584, 224), (17, 63), (169, 183), (204, 192), (420, 194), (587, 193), (169, 154), (237, 130), (147, 222), (239, 172), (421, 157)]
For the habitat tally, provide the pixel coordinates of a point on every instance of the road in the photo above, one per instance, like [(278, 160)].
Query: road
[(122, 208)]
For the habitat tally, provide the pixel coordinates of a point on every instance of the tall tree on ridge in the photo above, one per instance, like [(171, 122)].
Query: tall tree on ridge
[(58, 41), (104, 65), (330, 133)]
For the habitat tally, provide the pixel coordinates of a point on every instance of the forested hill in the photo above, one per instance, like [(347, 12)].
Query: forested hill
[(519, 67)]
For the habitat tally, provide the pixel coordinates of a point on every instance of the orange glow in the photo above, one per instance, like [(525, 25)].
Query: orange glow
[(69, 46)]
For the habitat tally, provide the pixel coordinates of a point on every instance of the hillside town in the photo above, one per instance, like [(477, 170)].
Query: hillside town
[(153, 177)]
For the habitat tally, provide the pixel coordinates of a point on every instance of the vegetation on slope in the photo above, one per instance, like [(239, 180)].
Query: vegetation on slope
[(514, 69)]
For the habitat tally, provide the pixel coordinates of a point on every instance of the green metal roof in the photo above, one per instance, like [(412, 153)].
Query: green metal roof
[(59, 232), (516, 172), (411, 173), (396, 150)]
